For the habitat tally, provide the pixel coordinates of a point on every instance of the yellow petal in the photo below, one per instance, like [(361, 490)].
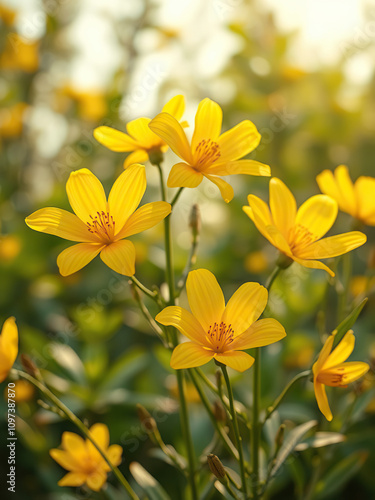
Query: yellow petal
[(120, 256), (248, 167), (138, 156), (237, 360), (343, 374), (59, 223), (333, 246), (175, 106), (126, 194), (115, 140), (64, 458), (322, 400), (182, 175), (74, 444), (96, 480), (346, 188), (8, 346), (226, 189), (114, 454), (323, 355), (171, 132), (205, 297), (73, 479), (341, 352), (185, 323), (208, 121), (238, 141), (145, 217), (278, 240), (74, 258), (245, 306), (261, 333), (283, 206), (259, 209), (317, 214), (313, 264), (141, 132), (86, 194), (190, 355), (364, 190), (328, 185), (100, 434)]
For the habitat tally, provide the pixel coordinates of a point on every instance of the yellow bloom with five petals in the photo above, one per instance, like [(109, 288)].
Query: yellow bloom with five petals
[(218, 331), (210, 154), (139, 140), (8, 347), (298, 233), (331, 370), (101, 225), (356, 199), (83, 461)]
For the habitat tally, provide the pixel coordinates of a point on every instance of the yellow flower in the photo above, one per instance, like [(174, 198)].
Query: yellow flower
[(331, 370), (8, 347), (20, 54), (83, 461), (210, 153), (356, 199), (11, 120), (7, 15), (298, 233), (218, 331), (139, 139), (99, 224)]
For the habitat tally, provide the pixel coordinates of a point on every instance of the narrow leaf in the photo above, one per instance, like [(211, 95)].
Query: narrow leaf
[(147, 482), (347, 323)]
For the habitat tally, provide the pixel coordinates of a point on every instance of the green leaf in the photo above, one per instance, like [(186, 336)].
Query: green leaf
[(321, 439), (290, 443), (123, 369), (347, 323), (339, 475), (148, 482)]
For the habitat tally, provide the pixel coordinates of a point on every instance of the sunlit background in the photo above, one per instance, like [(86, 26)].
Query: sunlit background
[(302, 71)]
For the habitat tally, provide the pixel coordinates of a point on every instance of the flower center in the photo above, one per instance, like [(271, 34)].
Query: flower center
[(335, 379), (102, 225), (206, 153), (300, 237), (220, 336)]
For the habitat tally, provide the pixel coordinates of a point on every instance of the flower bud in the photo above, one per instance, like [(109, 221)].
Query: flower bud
[(30, 367), (216, 467), (219, 411), (195, 220), (147, 421)]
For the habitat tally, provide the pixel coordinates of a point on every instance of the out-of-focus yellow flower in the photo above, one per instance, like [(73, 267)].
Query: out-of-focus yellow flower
[(20, 54), (8, 347), (83, 461), (256, 262), (24, 391), (356, 199), (361, 285), (331, 370), (299, 352), (210, 154), (99, 224), (91, 104), (11, 120), (190, 392), (217, 331), (10, 247), (297, 234), (7, 15), (139, 140)]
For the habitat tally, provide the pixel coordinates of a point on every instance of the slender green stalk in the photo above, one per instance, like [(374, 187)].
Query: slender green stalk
[(184, 418), (236, 430), (77, 422), (346, 260), (176, 197), (278, 400), (206, 403), (152, 294), (272, 277), (255, 428)]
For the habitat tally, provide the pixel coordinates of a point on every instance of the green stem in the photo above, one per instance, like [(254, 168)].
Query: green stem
[(176, 197), (184, 418), (206, 403), (278, 400), (346, 275), (236, 430), (255, 428), (77, 422), (145, 290), (272, 277)]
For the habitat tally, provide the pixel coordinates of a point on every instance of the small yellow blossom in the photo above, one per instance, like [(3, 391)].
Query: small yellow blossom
[(11, 120), (331, 370), (10, 247), (101, 225), (139, 140), (7, 15), (298, 233), (20, 54), (356, 199), (8, 347), (218, 331), (256, 262), (210, 154), (83, 461), (91, 103), (24, 391)]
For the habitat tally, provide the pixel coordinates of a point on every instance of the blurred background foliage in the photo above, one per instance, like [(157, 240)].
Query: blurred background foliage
[(70, 66)]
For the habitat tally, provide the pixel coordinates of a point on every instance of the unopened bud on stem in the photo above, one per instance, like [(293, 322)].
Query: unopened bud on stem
[(195, 220), (30, 367), (147, 421), (216, 467)]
